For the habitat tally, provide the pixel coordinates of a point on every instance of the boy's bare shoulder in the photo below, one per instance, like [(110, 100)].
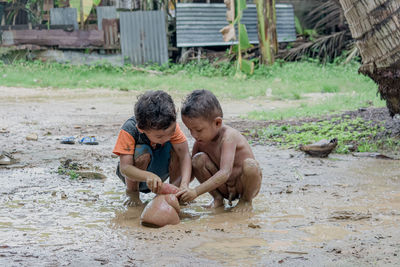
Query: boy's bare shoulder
[(232, 133), (232, 130)]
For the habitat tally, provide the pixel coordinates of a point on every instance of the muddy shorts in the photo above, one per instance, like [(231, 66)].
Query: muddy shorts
[(159, 162)]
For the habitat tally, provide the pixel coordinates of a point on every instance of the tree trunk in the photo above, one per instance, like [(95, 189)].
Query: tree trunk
[(375, 25), (267, 36)]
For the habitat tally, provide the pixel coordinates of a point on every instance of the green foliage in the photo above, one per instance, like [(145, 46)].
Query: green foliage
[(244, 38), (247, 66), (311, 34), (243, 43), (356, 133), (299, 27), (73, 175), (33, 9), (67, 171)]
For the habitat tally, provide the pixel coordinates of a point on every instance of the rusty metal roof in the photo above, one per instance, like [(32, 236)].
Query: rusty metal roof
[(105, 12)]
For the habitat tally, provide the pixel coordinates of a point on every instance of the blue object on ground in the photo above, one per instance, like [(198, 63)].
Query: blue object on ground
[(89, 140), (70, 140)]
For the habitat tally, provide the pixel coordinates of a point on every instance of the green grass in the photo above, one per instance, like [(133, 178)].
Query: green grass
[(357, 133), (342, 89), (286, 81), (334, 104)]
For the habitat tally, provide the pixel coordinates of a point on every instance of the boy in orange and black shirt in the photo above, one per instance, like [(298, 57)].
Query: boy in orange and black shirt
[(152, 147)]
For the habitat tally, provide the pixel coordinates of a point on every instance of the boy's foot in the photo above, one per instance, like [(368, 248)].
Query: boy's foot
[(216, 203), (243, 206), (132, 199)]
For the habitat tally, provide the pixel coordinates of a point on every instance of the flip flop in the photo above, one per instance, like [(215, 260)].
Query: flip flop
[(89, 140), (7, 159), (70, 140)]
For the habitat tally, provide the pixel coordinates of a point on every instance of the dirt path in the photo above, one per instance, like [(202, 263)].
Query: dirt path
[(310, 212)]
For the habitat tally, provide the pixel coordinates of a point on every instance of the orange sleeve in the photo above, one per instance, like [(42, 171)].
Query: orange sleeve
[(125, 144), (178, 137)]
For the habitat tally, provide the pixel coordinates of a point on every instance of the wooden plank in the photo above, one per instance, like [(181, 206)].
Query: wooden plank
[(36, 27), (75, 39)]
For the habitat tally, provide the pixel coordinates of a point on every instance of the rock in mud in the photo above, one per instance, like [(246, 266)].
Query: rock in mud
[(91, 175), (321, 148), (6, 158), (289, 189), (254, 226), (372, 155), (349, 215), (32, 137), (63, 195)]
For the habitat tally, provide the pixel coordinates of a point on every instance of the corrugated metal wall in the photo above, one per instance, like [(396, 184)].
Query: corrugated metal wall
[(64, 16), (143, 37), (105, 12), (199, 24)]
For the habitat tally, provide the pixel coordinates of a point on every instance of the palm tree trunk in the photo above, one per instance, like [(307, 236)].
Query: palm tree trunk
[(375, 25)]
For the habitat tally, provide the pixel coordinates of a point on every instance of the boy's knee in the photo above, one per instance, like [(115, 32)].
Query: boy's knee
[(251, 167), (199, 160), (142, 160)]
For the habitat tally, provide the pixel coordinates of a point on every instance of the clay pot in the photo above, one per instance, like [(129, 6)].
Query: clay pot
[(161, 211)]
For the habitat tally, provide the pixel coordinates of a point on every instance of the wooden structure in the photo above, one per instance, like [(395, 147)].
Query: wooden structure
[(54, 38)]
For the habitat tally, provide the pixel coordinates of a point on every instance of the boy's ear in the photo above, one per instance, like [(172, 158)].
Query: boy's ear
[(218, 121), (140, 130)]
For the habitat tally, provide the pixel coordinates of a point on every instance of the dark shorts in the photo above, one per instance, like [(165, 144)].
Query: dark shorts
[(159, 162)]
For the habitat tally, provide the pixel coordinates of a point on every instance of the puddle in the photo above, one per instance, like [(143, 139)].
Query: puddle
[(47, 219), (323, 233), (235, 251)]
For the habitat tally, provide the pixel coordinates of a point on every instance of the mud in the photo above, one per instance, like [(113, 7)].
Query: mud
[(342, 210)]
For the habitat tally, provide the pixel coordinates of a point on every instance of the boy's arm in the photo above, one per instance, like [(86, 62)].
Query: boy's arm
[(220, 177), (185, 162), (137, 175), (226, 165)]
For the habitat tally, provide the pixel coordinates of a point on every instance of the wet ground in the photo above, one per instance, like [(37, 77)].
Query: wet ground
[(342, 210)]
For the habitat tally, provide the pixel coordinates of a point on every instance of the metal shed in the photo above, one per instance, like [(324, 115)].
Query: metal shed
[(199, 24), (64, 16), (143, 37)]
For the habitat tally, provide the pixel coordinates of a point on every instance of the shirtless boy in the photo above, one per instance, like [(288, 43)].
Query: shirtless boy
[(222, 160), (152, 147)]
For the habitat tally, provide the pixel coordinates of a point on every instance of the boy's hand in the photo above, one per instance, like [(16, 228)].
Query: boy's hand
[(183, 187), (154, 183), (187, 195)]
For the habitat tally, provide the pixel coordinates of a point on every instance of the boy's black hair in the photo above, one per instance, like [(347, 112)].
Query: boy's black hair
[(155, 110), (201, 103)]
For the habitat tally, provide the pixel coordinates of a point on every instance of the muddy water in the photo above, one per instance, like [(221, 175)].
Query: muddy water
[(310, 212)]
